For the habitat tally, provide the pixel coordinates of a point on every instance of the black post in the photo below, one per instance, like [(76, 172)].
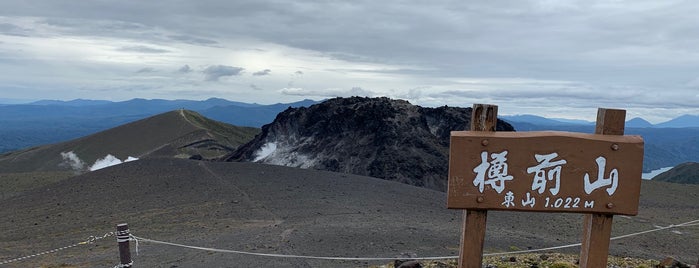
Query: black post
[(122, 236)]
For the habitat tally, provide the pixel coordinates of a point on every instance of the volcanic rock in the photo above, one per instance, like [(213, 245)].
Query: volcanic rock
[(377, 137)]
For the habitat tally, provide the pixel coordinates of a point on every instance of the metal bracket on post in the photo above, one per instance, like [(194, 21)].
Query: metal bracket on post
[(123, 237)]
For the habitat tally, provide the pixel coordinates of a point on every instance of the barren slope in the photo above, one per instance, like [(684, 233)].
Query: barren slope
[(179, 133), (273, 209)]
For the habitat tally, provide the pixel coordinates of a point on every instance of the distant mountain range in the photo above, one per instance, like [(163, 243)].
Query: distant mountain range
[(51, 121), (683, 121), (666, 144)]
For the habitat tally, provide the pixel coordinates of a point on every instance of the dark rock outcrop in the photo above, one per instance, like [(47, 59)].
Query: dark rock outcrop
[(378, 137), (670, 262), (407, 264)]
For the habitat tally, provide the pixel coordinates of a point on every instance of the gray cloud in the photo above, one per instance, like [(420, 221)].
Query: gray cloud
[(193, 40), (571, 95), (255, 87), (70, 25), (185, 69), (214, 72), (454, 36), (329, 92), (73, 22), (647, 46), (13, 30), (263, 72), (473, 38), (145, 70), (142, 49)]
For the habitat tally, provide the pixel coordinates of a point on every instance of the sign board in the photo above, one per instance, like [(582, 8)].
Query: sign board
[(545, 171)]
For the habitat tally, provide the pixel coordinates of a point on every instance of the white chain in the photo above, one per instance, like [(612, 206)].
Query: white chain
[(91, 239)]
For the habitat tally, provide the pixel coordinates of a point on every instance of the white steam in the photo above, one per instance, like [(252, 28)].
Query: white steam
[(109, 161), (265, 151), (72, 160)]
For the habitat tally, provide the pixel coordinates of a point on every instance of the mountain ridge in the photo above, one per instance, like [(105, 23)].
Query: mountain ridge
[(687, 173), (46, 124), (27, 125), (377, 137), (179, 133), (664, 147), (682, 121), (638, 122)]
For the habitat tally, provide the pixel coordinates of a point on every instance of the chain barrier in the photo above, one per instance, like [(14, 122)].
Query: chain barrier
[(658, 228), (91, 239)]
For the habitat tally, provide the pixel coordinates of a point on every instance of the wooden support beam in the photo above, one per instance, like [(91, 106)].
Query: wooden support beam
[(484, 117), (597, 228), (472, 238)]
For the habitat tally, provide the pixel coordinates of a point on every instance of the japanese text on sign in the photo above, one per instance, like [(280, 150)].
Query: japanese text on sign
[(494, 173), (545, 171)]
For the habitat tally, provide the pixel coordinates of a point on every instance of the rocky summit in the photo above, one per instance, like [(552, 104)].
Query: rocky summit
[(377, 137)]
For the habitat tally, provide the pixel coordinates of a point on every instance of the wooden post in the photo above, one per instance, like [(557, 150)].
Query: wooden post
[(484, 117), (123, 236), (597, 228)]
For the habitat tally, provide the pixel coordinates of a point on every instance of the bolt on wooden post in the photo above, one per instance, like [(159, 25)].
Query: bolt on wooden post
[(545, 171), (123, 236)]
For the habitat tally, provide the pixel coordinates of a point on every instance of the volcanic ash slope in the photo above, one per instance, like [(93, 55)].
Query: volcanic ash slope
[(273, 209)]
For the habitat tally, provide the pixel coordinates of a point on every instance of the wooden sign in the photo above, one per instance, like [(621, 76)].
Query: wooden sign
[(545, 171), (599, 175)]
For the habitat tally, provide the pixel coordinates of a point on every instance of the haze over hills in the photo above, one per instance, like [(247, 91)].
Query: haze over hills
[(664, 146), (683, 121), (50, 121), (377, 137), (45, 122), (179, 133)]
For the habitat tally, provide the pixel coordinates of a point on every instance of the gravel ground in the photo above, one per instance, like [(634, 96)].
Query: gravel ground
[(271, 209)]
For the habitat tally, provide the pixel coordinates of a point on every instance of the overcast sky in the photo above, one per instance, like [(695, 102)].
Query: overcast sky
[(550, 58)]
